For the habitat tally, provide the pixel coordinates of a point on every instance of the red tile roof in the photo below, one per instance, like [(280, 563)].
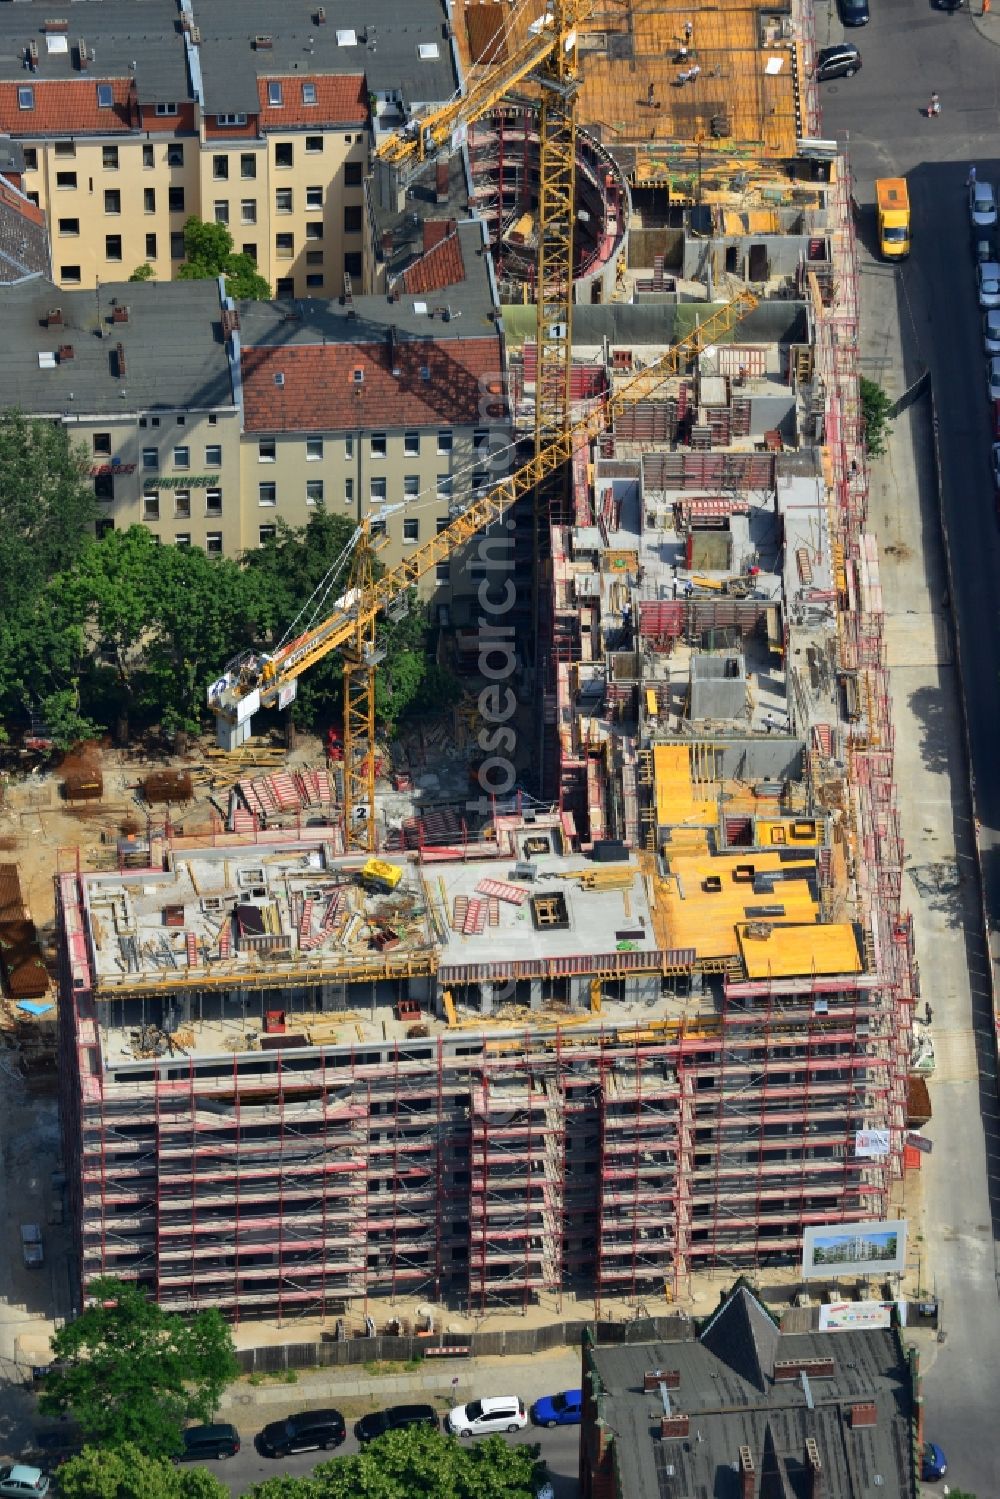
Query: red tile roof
[(442, 266), (68, 105), (19, 204), (340, 100), (435, 230), (320, 392)]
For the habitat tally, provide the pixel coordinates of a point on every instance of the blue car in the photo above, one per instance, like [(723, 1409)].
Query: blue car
[(564, 1409), (933, 1465)]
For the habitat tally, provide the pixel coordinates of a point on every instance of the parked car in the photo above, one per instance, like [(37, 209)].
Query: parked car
[(564, 1409), (377, 1423), (201, 1442), (993, 378), (982, 205), (854, 12), (989, 283), (991, 331), (32, 1248), (983, 248), (18, 1481), (949, 5), (933, 1464), (303, 1432), (995, 454), (492, 1413), (996, 421), (842, 60)]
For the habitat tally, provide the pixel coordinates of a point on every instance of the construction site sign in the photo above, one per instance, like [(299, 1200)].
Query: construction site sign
[(855, 1316), (876, 1248), (871, 1144)]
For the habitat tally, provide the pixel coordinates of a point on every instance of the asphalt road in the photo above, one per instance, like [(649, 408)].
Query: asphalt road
[(910, 50), (560, 1449)]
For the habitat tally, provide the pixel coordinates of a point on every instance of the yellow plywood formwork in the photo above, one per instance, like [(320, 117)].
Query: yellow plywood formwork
[(789, 832), (789, 951), (676, 802), (707, 919)]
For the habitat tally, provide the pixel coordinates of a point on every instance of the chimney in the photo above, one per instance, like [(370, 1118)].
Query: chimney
[(54, 317), (119, 314), (748, 1474), (864, 1414), (64, 352), (82, 55), (120, 356), (814, 1470), (675, 1426), (653, 1378), (386, 244), (441, 182)]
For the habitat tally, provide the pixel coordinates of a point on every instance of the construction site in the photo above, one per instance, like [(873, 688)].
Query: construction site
[(593, 1042)]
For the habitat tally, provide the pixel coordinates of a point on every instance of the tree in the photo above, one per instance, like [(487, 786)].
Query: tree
[(876, 408), (130, 1372), (127, 1472), (417, 1462), (143, 272), (209, 253), (47, 508)]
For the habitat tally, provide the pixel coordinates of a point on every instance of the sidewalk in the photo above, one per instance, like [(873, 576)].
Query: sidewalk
[(444, 1384), (988, 25)]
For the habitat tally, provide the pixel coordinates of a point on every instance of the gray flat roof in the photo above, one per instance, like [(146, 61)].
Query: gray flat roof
[(174, 353), (389, 57), (117, 32)]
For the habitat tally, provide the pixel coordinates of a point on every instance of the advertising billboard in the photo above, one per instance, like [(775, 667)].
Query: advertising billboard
[(855, 1316), (871, 1144), (876, 1248)]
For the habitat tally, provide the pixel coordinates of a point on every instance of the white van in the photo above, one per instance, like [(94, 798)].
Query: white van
[(494, 1413)]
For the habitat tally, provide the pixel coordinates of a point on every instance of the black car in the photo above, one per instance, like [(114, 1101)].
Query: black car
[(201, 1442), (854, 12), (949, 5), (377, 1423), (302, 1433), (842, 60)]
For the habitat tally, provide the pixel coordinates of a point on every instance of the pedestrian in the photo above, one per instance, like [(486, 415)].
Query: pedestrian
[(693, 72), (970, 181), (651, 95), (934, 107), (688, 31), (770, 722), (986, 8), (681, 54)]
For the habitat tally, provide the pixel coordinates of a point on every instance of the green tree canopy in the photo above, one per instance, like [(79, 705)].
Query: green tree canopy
[(127, 1472), (130, 1372), (47, 507), (418, 1463), (209, 253)]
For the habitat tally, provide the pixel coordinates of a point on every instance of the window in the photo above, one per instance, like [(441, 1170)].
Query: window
[(213, 501), (177, 245), (70, 274), (154, 421), (444, 441), (213, 455), (175, 199), (104, 487), (182, 457), (220, 168), (213, 543), (112, 200), (249, 248), (442, 573), (309, 93), (378, 445), (411, 444), (231, 119), (314, 231), (150, 458), (274, 97), (378, 528), (284, 246), (248, 211), (113, 246), (65, 148), (283, 154), (267, 494), (213, 420), (283, 200), (315, 280), (353, 265), (149, 200), (30, 159), (102, 442), (284, 287), (348, 447), (378, 490), (151, 507), (109, 158), (182, 504), (314, 145), (411, 530), (348, 491), (105, 96), (26, 98), (266, 451), (166, 109), (314, 197), (148, 159), (66, 179), (314, 491), (182, 539), (314, 257), (70, 227), (353, 219), (150, 246), (248, 165), (175, 156), (353, 173), (221, 210), (314, 449), (411, 486), (266, 534), (181, 420), (444, 486), (32, 198)]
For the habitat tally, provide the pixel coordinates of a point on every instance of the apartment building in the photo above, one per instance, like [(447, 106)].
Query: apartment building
[(130, 121)]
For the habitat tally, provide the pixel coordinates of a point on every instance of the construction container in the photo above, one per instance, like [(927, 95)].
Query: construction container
[(86, 785), (168, 786)]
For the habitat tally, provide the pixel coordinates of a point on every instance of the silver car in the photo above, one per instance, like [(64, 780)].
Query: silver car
[(989, 284), (991, 331), (993, 378), (982, 205)]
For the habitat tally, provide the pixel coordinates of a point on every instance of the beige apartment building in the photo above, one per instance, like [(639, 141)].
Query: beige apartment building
[(133, 120)]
